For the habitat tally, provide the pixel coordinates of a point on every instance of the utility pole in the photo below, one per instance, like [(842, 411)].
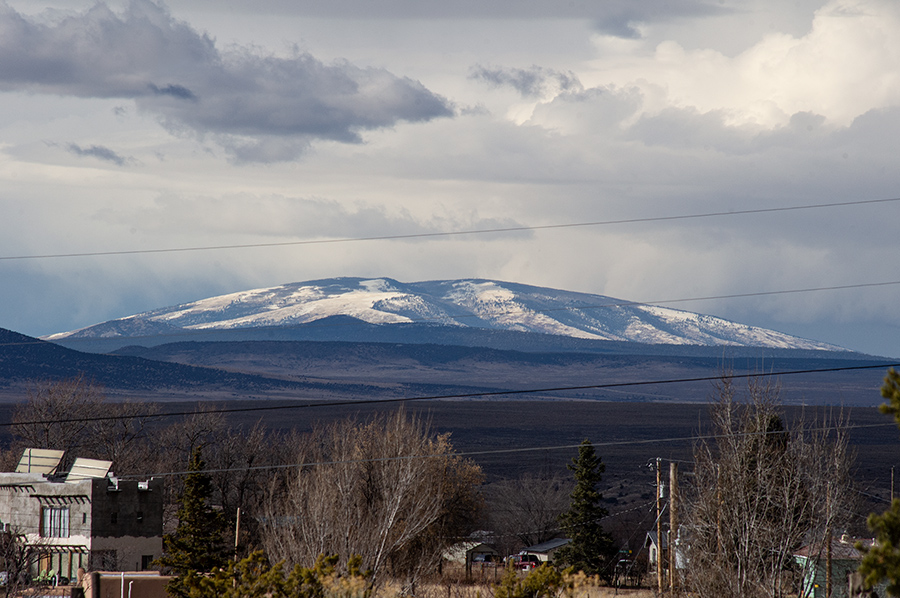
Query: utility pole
[(673, 526), (237, 538), (659, 536), (237, 534), (828, 555), (719, 508)]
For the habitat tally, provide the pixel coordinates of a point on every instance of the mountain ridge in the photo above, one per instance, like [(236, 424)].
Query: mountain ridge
[(26, 360), (477, 304)]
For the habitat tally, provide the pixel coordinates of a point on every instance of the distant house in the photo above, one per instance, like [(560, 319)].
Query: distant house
[(657, 549), (473, 555), (87, 518), (845, 560), (544, 551), (470, 552)]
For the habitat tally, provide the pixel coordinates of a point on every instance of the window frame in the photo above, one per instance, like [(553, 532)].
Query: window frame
[(55, 522)]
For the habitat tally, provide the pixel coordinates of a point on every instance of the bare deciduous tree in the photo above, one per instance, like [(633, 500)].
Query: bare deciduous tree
[(17, 558), (44, 420), (64, 415), (383, 489), (762, 490), (123, 436), (238, 466), (175, 444), (525, 511)]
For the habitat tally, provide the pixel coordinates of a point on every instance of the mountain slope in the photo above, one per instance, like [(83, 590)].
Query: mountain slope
[(474, 303), (386, 364), (24, 358)]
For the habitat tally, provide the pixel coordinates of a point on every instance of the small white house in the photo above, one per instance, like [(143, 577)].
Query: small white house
[(544, 551), (845, 560), (470, 552), (655, 549)]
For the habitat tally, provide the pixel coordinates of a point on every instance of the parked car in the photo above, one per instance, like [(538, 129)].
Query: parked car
[(525, 562)]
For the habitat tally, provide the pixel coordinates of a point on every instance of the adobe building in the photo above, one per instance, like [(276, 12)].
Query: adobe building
[(87, 518)]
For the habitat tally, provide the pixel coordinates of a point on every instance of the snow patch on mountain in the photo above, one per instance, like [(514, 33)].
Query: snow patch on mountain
[(477, 303)]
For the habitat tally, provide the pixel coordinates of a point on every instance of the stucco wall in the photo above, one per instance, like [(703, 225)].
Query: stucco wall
[(118, 520), (109, 585), (130, 550)]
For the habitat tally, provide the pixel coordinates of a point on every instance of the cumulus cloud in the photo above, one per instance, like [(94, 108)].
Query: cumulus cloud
[(843, 66), (532, 82), (258, 106), (97, 151)]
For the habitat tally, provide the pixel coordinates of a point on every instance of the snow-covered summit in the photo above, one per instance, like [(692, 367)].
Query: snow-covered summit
[(477, 303)]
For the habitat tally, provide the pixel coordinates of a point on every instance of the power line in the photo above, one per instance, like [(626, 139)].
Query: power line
[(482, 231), (482, 453), (491, 452), (470, 395)]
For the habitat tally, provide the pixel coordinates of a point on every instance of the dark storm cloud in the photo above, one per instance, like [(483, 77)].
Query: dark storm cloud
[(621, 18), (97, 151), (176, 91), (530, 82), (272, 105)]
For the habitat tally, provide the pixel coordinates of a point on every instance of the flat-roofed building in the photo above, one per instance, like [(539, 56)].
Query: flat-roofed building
[(88, 518)]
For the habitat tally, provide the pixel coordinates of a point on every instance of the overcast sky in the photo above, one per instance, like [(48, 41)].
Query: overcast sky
[(144, 126)]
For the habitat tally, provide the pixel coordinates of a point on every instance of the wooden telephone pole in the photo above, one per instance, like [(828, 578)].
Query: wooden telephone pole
[(659, 536), (673, 526)]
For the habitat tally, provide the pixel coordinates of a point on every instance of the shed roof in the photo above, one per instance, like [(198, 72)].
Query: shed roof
[(842, 549), (547, 546)]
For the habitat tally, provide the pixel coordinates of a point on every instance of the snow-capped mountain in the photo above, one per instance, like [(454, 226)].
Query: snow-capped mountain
[(475, 303)]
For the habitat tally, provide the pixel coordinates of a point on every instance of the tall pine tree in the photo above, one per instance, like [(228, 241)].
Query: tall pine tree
[(882, 561), (198, 544), (591, 549)]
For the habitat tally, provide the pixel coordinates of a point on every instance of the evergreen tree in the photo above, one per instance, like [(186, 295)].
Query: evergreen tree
[(198, 545), (882, 561), (591, 549)]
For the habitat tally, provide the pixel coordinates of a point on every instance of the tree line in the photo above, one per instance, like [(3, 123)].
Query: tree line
[(388, 495), (384, 488)]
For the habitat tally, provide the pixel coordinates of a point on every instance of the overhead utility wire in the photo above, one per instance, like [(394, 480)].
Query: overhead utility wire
[(482, 231), (313, 324), (468, 395), (482, 453), (490, 452)]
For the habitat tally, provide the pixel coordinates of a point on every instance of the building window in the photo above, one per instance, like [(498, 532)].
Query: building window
[(146, 562), (55, 522)]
